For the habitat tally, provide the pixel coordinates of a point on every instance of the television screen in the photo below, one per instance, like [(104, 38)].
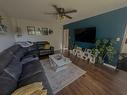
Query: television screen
[(86, 35)]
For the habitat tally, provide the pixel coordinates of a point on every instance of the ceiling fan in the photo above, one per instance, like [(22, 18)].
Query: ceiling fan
[(61, 12)]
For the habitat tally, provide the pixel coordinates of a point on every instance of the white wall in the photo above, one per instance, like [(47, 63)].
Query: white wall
[(55, 39), (9, 38), (6, 39)]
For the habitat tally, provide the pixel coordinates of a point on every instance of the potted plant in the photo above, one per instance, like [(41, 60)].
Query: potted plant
[(104, 48)]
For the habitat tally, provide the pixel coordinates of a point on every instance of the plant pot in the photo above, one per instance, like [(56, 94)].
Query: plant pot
[(99, 60)]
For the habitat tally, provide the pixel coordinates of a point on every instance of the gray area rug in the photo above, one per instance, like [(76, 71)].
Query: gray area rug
[(61, 79)]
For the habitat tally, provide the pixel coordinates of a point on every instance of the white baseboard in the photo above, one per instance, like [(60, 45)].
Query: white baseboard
[(110, 66)]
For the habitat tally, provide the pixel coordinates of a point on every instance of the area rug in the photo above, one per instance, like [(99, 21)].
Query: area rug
[(61, 79)]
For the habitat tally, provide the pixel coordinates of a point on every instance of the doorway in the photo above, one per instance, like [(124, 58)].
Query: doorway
[(122, 63), (65, 39)]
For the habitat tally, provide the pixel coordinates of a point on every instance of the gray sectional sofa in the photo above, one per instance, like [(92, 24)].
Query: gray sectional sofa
[(14, 74)]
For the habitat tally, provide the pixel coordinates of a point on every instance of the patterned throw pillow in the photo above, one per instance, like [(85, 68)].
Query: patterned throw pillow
[(31, 89), (40, 92), (47, 46)]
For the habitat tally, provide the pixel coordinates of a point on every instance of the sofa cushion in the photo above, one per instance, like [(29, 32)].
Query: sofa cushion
[(42, 42), (44, 52), (35, 78), (30, 55), (7, 84), (14, 48), (31, 69), (20, 53), (28, 59), (14, 69), (5, 58)]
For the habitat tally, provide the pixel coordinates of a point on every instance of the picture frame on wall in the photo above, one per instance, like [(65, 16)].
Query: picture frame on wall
[(50, 31), (31, 30), (38, 31), (45, 31)]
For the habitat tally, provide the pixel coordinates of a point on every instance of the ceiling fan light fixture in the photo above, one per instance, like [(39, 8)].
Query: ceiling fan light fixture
[(60, 17)]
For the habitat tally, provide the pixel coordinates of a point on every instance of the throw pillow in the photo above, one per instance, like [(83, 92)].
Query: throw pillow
[(5, 58), (28, 59), (7, 84), (40, 92), (47, 46), (20, 53), (14, 69), (30, 89)]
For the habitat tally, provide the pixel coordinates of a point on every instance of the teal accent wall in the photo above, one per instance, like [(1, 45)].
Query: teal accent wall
[(109, 25)]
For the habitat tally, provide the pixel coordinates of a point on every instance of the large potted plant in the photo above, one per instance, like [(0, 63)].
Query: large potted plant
[(104, 48)]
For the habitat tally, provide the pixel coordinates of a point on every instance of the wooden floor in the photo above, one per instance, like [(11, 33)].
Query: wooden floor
[(98, 80)]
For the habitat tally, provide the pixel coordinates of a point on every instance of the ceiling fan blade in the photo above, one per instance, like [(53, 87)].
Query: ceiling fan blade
[(68, 16), (57, 9), (71, 11)]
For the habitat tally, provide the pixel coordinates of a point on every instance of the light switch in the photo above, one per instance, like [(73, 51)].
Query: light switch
[(118, 39)]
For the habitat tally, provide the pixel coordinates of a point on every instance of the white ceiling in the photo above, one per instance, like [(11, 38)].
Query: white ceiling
[(35, 9)]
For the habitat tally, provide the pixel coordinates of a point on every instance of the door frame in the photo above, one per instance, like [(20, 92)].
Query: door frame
[(124, 39), (65, 39)]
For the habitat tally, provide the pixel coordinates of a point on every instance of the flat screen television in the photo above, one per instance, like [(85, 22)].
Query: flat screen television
[(87, 35)]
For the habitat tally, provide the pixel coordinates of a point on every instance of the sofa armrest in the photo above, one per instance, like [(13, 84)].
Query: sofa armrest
[(52, 49)]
